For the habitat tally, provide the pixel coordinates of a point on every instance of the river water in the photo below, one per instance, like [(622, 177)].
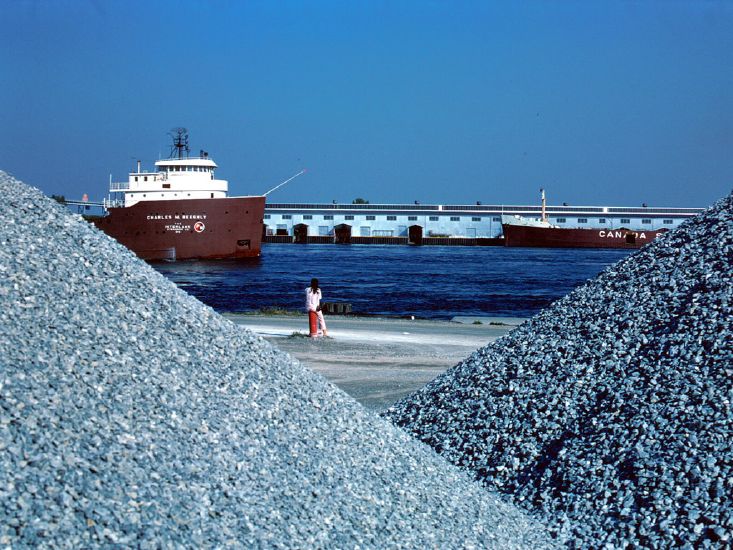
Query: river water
[(436, 282)]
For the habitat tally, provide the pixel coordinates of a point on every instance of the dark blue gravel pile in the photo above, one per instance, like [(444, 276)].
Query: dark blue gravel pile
[(610, 411), (133, 415)]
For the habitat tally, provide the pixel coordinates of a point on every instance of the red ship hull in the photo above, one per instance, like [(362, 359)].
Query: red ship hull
[(551, 237), (189, 229)]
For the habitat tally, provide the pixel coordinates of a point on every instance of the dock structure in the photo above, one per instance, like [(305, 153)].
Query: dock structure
[(426, 224)]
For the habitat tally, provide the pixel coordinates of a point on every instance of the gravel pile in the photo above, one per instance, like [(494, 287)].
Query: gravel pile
[(610, 411), (131, 414)]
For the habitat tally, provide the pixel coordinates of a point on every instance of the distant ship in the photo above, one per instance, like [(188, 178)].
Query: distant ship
[(180, 212), (519, 231)]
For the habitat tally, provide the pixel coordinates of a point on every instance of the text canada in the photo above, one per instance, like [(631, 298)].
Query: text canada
[(619, 234)]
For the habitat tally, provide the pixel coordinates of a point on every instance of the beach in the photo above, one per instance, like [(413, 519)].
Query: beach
[(378, 360)]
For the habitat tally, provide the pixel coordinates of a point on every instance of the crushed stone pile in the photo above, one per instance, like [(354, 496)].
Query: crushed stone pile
[(133, 415), (610, 411)]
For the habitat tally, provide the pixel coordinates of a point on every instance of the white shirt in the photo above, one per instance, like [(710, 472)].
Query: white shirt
[(312, 299)]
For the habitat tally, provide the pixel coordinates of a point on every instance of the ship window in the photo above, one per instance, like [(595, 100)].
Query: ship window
[(582, 220), (496, 219), (455, 218), (433, 218), (135, 178), (625, 220), (212, 195), (602, 220), (391, 218), (144, 195), (371, 218), (267, 216), (287, 216), (561, 220), (323, 230), (166, 186), (189, 194), (412, 218), (667, 222), (646, 221), (474, 219), (328, 217), (348, 217)]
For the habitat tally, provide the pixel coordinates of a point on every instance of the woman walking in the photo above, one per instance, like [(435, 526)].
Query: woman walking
[(313, 307)]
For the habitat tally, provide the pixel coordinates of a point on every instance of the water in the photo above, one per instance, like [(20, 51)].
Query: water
[(436, 282)]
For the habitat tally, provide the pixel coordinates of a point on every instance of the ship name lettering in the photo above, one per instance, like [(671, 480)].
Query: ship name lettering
[(611, 234), (619, 234), (159, 217)]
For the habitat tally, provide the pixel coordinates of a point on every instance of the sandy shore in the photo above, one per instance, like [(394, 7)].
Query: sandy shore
[(377, 360)]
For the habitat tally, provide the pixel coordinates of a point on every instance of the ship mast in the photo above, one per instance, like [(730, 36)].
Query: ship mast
[(544, 206), (180, 143)]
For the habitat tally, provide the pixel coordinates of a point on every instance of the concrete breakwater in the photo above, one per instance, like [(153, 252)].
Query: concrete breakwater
[(131, 414), (610, 412)]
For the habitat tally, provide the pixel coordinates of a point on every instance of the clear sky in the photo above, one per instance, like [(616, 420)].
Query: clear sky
[(613, 103)]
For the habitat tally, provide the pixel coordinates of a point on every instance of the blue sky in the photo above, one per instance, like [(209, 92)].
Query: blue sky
[(444, 102)]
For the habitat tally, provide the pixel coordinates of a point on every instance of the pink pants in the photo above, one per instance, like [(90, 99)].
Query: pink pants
[(313, 323), (316, 323)]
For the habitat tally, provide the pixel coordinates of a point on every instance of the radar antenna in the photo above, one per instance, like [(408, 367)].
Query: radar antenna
[(180, 142)]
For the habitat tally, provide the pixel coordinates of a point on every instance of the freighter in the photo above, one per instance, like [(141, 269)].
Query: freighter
[(180, 211), (532, 232)]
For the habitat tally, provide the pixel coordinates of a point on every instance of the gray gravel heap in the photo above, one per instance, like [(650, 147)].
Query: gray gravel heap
[(610, 411), (131, 414)]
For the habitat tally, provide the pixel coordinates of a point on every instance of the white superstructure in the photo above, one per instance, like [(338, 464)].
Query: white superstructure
[(173, 179), (179, 177), (516, 219)]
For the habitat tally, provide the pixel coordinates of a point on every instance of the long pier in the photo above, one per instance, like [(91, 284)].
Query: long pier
[(425, 241)]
